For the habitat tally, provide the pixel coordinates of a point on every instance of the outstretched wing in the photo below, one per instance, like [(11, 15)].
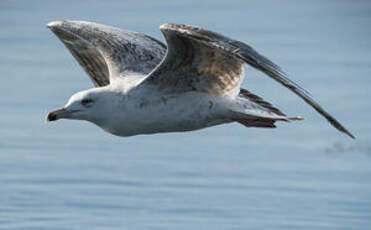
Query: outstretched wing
[(194, 62), (106, 52), (202, 60)]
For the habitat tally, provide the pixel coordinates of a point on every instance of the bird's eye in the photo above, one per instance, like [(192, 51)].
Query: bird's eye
[(86, 101)]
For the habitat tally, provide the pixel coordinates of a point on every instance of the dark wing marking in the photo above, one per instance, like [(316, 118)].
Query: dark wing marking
[(199, 59), (106, 52), (260, 101)]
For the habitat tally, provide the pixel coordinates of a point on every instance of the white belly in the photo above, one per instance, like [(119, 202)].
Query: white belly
[(178, 113)]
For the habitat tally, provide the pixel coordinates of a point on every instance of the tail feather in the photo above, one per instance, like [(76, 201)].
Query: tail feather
[(265, 117), (263, 122), (260, 101), (257, 122)]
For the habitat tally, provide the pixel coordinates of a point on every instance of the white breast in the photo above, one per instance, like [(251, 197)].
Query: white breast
[(171, 113)]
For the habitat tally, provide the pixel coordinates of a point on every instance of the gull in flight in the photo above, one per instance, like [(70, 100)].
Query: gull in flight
[(143, 86)]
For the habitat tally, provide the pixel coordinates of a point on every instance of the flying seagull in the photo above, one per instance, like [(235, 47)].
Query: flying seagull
[(145, 87)]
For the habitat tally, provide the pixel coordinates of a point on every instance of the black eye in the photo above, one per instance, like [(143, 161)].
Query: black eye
[(86, 101)]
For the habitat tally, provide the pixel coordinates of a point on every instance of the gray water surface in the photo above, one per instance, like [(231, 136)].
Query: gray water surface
[(302, 175)]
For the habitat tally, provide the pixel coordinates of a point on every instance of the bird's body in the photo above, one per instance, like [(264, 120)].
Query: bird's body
[(169, 113), (145, 110), (196, 85)]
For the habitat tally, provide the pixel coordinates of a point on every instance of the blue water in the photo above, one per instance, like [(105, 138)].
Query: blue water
[(302, 175)]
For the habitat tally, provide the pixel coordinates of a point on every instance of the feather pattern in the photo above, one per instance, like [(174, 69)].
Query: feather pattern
[(191, 65), (106, 52), (202, 60)]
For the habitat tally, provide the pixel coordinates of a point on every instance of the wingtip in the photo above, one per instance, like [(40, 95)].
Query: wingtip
[(65, 23), (349, 134), (341, 128), (55, 24), (179, 27), (166, 26)]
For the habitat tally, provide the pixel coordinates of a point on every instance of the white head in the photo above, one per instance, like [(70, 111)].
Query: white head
[(91, 105)]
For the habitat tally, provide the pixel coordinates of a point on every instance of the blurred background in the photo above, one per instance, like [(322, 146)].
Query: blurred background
[(302, 175)]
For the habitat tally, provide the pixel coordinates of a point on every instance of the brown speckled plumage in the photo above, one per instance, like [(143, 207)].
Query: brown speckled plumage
[(105, 52), (191, 47)]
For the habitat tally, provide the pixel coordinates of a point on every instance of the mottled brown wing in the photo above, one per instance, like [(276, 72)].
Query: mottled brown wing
[(193, 65), (199, 59), (106, 52)]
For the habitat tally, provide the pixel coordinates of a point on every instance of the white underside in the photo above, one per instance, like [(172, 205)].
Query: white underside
[(127, 108), (167, 113)]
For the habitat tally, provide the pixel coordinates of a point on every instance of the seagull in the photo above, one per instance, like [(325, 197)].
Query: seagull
[(143, 86)]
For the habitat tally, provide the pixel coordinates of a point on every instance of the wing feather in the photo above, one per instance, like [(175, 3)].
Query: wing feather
[(191, 64), (106, 52), (199, 59)]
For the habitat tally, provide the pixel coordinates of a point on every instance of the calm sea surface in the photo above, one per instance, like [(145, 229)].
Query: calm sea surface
[(302, 175)]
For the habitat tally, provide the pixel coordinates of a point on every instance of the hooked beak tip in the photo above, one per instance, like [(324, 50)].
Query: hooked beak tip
[(54, 115), (50, 117)]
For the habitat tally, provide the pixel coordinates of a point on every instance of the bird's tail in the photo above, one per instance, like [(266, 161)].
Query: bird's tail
[(263, 122), (253, 111)]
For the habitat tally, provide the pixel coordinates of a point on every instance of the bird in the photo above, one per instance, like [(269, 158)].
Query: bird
[(143, 86)]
